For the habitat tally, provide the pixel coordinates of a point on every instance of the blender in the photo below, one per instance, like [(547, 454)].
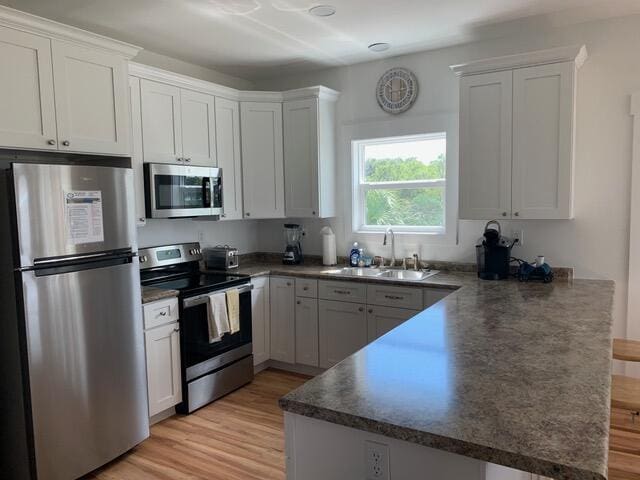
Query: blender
[(293, 251)]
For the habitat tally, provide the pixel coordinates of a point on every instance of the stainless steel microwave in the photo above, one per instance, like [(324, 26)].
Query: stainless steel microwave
[(173, 191)]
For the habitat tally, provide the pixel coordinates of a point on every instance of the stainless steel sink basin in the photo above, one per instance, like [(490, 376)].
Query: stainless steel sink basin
[(356, 272), (407, 274), (382, 273)]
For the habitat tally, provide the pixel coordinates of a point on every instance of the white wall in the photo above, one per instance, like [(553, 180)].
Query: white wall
[(595, 243)]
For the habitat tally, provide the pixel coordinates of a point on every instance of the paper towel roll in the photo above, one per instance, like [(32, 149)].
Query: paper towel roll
[(328, 246)]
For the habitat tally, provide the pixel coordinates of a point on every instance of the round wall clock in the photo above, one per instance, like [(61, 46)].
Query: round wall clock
[(397, 90)]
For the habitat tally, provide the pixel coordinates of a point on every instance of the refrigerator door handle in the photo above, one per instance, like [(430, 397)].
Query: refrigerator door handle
[(78, 258)]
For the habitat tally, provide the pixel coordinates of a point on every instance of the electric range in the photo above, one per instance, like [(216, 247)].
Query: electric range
[(209, 370)]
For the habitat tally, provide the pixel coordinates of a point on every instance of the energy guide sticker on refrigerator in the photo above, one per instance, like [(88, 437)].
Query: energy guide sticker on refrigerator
[(83, 213)]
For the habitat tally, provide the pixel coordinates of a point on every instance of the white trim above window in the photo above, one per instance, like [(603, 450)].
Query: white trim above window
[(426, 148)]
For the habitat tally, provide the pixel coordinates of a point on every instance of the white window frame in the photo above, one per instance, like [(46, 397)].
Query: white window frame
[(360, 187)]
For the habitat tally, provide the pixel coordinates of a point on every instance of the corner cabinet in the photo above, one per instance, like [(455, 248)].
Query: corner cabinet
[(62, 95), (516, 135), (262, 159), (309, 153)]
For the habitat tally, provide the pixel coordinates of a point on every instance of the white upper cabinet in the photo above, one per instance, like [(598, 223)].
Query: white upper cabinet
[(136, 149), (309, 154), (198, 128), (262, 159), (229, 158), (91, 100), (26, 91), (161, 123), (178, 125), (63, 90), (516, 135), (485, 141), (543, 106)]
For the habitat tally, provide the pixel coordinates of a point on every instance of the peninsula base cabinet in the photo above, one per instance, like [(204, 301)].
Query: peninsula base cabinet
[(162, 346), (381, 320), (309, 442)]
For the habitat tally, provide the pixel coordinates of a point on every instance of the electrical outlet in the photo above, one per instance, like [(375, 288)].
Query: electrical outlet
[(376, 461), (519, 234)]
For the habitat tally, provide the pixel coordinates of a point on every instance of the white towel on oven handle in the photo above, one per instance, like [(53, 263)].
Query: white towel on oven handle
[(217, 318)]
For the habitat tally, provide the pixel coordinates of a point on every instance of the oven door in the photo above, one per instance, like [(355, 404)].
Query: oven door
[(182, 191), (200, 357)]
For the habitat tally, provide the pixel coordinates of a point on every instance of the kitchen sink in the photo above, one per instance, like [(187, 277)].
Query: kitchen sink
[(382, 273), (356, 272), (407, 274)]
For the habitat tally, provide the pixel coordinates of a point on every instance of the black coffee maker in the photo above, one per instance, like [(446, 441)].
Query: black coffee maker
[(494, 253)]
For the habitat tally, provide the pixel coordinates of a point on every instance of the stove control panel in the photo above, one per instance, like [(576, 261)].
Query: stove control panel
[(166, 255)]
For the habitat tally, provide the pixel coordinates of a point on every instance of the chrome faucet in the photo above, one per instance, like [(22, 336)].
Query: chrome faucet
[(393, 245), (416, 262)]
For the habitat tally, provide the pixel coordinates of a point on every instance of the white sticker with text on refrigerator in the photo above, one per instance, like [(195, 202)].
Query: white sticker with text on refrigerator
[(83, 214)]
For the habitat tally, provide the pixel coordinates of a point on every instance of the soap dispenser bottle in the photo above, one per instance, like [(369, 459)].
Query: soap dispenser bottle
[(354, 255)]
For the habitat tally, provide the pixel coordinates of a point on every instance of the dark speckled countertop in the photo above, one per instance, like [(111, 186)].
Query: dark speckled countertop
[(511, 373)]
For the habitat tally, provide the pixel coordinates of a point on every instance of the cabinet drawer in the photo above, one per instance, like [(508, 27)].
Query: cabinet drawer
[(343, 291), (306, 288), (391, 296), (160, 312), (433, 295)]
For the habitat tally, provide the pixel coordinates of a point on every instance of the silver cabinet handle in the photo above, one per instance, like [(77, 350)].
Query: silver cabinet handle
[(179, 159), (66, 143), (288, 284), (187, 160), (313, 213), (51, 142), (176, 328), (342, 292), (224, 215), (361, 309), (163, 314), (371, 310), (298, 302), (393, 297), (516, 214), (305, 288), (141, 219), (504, 214), (247, 214)]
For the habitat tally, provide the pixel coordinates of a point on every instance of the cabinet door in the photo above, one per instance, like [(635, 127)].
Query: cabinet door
[(136, 149), (301, 157), (229, 158), (260, 323), (92, 100), (381, 320), (543, 106), (342, 330), (283, 328), (198, 128), (26, 91), (307, 331), (485, 146), (262, 159), (161, 124), (163, 367)]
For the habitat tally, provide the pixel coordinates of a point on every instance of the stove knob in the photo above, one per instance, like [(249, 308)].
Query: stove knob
[(192, 251)]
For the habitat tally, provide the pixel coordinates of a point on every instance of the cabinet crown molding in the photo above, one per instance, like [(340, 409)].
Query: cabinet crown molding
[(27, 22), (574, 53), (203, 86)]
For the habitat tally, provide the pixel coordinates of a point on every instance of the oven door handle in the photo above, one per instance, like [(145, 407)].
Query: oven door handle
[(202, 299)]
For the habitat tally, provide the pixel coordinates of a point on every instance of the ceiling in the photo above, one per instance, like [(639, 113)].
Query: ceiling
[(252, 39)]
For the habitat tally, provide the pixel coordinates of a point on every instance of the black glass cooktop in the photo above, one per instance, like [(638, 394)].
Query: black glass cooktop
[(200, 283)]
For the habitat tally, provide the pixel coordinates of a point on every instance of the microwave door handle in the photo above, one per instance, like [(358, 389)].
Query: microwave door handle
[(206, 192)]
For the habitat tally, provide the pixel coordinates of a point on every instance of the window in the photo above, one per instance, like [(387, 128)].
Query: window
[(400, 182)]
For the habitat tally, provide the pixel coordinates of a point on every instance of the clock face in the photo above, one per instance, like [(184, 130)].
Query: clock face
[(397, 90)]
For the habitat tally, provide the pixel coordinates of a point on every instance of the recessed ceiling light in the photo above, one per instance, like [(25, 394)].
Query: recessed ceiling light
[(379, 47), (322, 10)]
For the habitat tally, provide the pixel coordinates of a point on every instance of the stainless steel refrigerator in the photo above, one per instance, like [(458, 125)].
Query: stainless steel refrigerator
[(75, 329)]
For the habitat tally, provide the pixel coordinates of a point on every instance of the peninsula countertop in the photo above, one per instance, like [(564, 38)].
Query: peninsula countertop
[(511, 373)]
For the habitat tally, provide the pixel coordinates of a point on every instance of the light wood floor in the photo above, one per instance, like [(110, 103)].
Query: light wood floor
[(624, 446), (240, 436)]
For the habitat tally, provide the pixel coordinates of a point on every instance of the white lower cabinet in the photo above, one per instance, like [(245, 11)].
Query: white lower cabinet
[(342, 330), (162, 345), (283, 338), (434, 295), (260, 320), (306, 331), (381, 320)]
